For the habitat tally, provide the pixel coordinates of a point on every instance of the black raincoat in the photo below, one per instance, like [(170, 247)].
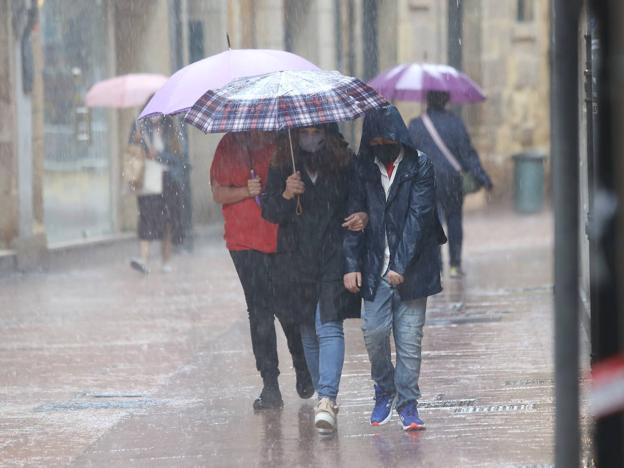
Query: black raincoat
[(408, 217), (308, 267)]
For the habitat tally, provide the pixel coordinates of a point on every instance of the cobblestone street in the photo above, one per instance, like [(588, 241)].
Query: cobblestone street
[(102, 367)]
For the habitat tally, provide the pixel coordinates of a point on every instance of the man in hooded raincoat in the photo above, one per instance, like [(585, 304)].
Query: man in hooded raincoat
[(395, 262)]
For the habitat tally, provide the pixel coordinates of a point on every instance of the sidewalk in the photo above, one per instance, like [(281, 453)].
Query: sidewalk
[(102, 367)]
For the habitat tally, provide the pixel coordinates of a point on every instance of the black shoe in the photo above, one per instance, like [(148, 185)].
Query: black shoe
[(305, 387), (139, 265), (270, 398)]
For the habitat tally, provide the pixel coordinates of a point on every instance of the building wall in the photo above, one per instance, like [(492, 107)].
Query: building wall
[(510, 60), (8, 162), (218, 18), (8, 165), (141, 44)]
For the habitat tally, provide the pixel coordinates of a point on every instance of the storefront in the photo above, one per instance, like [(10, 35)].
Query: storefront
[(77, 143)]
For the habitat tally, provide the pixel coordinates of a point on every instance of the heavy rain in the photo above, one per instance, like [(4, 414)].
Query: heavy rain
[(301, 233)]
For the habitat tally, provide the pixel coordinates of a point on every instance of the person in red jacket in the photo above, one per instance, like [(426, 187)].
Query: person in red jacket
[(237, 175)]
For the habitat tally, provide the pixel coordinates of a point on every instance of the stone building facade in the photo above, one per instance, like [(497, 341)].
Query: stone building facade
[(505, 49)]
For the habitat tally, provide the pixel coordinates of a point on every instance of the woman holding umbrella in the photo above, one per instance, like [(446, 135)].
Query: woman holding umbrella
[(309, 267)]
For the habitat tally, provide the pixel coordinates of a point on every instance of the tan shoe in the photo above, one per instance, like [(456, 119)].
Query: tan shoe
[(325, 419)]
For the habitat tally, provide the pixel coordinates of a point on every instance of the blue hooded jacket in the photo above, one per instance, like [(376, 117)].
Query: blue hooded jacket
[(408, 217), (453, 131)]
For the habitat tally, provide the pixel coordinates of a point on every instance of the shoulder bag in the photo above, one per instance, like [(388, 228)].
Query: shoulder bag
[(470, 184)]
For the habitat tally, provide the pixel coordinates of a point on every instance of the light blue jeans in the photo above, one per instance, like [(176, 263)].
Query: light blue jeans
[(324, 349), (385, 314)]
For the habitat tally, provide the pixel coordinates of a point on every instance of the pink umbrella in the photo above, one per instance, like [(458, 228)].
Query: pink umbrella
[(190, 83), (124, 91), (412, 81)]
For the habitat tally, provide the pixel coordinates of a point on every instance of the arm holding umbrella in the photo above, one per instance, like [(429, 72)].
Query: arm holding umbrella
[(279, 200), (224, 192)]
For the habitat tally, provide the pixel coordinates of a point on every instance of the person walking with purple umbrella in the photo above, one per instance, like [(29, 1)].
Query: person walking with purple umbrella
[(238, 175), (442, 135)]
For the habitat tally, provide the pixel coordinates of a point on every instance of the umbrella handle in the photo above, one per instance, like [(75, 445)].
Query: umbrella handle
[(253, 176), (299, 209)]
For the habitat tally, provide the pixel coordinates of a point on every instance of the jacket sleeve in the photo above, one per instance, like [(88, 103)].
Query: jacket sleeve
[(469, 156), (356, 201), (275, 208), (420, 218), (353, 242)]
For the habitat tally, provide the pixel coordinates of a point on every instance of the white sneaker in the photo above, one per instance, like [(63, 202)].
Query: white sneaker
[(325, 419)]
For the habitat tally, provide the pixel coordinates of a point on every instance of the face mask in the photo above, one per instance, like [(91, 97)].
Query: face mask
[(311, 143), (387, 153)]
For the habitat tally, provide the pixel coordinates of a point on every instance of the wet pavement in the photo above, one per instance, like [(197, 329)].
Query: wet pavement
[(100, 366)]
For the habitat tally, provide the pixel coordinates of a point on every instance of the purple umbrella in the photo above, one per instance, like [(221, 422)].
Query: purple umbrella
[(412, 81), (190, 83)]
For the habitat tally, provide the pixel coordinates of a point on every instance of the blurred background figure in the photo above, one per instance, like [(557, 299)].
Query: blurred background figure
[(160, 198), (442, 135)]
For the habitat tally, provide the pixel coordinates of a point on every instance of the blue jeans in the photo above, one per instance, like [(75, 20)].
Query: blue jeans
[(388, 313), (324, 349)]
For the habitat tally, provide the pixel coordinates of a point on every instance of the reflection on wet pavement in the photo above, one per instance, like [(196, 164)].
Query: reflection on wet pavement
[(102, 367)]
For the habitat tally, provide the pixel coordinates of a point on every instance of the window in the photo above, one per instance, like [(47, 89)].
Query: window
[(524, 11)]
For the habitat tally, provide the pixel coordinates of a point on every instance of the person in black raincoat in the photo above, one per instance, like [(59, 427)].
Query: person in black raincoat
[(308, 268), (450, 193), (395, 262)]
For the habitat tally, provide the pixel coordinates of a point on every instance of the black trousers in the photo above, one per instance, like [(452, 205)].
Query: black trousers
[(450, 209), (254, 272)]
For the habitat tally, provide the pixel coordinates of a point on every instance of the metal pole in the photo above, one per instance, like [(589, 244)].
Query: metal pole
[(607, 316), (565, 151), (455, 33), (370, 38)]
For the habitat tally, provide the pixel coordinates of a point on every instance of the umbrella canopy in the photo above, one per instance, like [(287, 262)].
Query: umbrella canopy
[(188, 84), (124, 91), (411, 82), (281, 100)]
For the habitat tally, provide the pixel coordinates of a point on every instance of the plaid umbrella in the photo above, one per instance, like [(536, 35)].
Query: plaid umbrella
[(283, 100)]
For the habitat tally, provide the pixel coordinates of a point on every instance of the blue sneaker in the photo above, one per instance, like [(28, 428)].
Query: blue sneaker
[(384, 403), (409, 417)]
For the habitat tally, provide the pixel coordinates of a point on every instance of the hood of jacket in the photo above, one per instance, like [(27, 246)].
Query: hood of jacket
[(386, 123)]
